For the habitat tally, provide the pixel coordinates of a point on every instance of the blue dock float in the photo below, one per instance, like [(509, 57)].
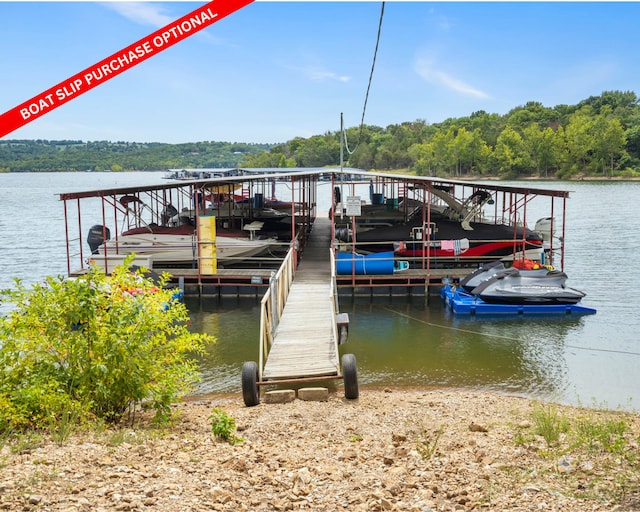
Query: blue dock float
[(463, 303)]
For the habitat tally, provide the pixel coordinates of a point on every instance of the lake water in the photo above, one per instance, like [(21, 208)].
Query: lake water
[(590, 361)]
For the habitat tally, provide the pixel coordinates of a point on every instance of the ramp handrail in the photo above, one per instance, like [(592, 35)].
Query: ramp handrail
[(333, 298), (272, 304)]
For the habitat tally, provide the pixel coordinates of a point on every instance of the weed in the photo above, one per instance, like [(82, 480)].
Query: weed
[(522, 438), (121, 436), (26, 442), (355, 438), (607, 435), (427, 442), (62, 427), (224, 427), (5, 437), (549, 424)]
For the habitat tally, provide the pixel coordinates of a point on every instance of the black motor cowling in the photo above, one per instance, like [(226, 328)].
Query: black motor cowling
[(96, 237), (167, 214)]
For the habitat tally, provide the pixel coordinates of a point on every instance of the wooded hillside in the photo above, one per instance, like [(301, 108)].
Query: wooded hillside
[(600, 136), (76, 155)]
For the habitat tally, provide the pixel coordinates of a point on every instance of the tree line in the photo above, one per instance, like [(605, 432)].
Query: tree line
[(76, 155), (599, 136)]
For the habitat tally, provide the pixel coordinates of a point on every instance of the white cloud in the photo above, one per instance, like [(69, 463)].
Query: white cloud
[(427, 72), (318, 74), (144, 13), (315, 73)]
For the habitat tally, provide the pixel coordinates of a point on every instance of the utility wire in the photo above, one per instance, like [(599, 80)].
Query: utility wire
[(366, 97)]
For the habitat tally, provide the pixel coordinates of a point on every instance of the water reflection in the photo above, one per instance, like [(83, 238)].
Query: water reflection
[(235, 325), (408, 343), (424, 345)]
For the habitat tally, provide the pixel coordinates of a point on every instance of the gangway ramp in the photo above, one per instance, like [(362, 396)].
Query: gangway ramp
[(300, 326)]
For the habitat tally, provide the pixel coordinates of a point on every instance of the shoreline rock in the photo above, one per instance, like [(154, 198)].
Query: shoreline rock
[(422, 450)]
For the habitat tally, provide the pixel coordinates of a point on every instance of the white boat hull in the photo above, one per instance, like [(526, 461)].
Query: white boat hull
[(163, 249)]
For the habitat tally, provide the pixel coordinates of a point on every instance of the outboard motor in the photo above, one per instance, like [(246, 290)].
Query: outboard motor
[(97, 236), (546, 227), (343, 234), (167, 214)]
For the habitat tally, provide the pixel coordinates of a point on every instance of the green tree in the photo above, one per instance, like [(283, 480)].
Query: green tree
[(532, 112), (469, 150), (579, 141), (510, 153), (362, 157), (443, 154), (608, 140), (422, 159), (543, 148), (478, 153)]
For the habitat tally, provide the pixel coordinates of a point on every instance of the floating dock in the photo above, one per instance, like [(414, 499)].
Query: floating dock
[(462, 303)]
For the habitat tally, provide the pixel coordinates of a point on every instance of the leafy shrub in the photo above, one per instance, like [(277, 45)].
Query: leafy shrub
[(224, 427), (94, 346)]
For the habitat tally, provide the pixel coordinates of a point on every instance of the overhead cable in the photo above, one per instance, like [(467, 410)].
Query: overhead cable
[(366, 98)]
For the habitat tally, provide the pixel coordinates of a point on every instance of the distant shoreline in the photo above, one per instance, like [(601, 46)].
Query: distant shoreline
[(401, 172)]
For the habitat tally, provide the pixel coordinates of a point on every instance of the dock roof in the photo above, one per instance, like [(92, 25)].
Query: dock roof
[(260, 174)]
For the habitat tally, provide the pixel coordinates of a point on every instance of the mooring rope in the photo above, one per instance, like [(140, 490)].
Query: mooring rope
[(499, 336)]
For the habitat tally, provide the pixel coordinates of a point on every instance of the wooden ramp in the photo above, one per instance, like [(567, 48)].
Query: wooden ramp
[(305, 343)]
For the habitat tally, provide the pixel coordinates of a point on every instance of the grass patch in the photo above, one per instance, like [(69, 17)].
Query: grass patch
[(549, 423)]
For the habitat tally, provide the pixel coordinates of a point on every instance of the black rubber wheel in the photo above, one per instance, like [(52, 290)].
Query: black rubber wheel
[(350, 376), (250, 392)]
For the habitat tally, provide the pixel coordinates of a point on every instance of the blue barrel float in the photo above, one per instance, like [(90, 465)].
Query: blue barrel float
[(377, 198), (368, 264)]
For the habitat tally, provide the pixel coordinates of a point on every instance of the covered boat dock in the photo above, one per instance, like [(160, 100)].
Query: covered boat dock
[(274, 213)]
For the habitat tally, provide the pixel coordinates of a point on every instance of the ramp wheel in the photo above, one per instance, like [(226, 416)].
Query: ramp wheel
[(350, 376), (250, 392)]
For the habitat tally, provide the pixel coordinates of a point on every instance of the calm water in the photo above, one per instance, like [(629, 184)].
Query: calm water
[(589, 361)]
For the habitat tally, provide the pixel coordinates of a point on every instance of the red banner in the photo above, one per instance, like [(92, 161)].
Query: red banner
[(117, 63)]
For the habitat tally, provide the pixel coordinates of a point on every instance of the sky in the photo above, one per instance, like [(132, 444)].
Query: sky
[(273, 71)]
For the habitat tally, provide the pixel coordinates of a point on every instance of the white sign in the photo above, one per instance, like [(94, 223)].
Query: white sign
[(353, 206)]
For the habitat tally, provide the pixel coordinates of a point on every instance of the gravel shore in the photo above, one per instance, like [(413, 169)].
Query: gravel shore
[(422, 450)]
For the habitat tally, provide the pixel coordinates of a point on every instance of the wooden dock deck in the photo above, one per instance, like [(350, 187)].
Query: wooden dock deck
[(305, 343)]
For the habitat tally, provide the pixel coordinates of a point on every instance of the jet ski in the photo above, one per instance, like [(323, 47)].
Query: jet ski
[(514, 286), (488, 270)]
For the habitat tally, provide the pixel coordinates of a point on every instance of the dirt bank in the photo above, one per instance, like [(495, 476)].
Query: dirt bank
[(404, 450)]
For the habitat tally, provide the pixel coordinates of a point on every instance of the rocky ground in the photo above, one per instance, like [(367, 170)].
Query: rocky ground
[(403, 450)]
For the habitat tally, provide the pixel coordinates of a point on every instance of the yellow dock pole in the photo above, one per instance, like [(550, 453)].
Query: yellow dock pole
[(207, 244)]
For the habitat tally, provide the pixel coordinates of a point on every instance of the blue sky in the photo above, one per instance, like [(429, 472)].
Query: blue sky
[(273, 71)]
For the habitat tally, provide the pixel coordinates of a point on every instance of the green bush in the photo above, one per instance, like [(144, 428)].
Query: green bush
[(224, 427), (94, 346)]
